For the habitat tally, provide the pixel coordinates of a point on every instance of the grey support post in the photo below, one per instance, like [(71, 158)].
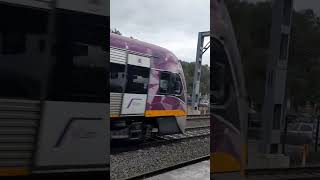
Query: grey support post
[(273, 113), (197, 70)]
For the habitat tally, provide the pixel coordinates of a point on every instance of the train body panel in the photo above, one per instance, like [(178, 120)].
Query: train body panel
[(151, 89), (163, 105)]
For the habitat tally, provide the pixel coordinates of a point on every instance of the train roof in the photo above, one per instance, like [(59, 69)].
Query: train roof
[(138, 46)]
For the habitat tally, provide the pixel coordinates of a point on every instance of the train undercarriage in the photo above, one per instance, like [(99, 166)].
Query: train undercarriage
[(140, 128)]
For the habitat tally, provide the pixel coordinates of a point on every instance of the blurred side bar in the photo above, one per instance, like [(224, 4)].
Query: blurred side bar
[(228, 98), (53, 97)]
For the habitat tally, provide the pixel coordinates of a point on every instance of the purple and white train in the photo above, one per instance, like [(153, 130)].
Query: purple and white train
[(147, 90)]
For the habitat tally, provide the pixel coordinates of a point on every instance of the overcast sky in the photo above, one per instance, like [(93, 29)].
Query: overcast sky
[(172, 24)]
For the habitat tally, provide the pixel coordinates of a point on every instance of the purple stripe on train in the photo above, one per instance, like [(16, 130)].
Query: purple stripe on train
[(162, 60)]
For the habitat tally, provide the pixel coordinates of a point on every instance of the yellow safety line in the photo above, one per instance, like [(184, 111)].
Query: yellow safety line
[(223, 162), (155, 113)]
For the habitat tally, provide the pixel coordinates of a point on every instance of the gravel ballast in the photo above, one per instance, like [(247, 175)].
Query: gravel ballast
[(128, 164)]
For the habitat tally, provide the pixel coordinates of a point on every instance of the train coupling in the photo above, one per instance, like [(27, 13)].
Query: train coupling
[(120, 134)]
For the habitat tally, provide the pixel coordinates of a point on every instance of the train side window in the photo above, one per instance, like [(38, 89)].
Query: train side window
[(176, 84), (138, 79), (21, 72), (79, 72), (164, 83), (219, 72), (117, 77)]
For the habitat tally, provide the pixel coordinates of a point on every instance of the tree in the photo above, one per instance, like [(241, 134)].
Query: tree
[(188, 69), (116, 31), (252, 23)]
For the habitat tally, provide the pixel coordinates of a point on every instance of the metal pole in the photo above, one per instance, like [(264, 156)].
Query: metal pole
[(197, 69), (317, 135), (284, 135), (50, 40), (46, 73), (273, 111), (305, 154), (197, 73)]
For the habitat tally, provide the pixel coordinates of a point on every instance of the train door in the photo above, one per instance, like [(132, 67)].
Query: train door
[(117, 80), (129, 79), (135, 95)]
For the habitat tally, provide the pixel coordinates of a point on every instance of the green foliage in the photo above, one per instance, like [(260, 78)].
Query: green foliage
[(252, 23), (188, 69), (304, 60), (115, 31)]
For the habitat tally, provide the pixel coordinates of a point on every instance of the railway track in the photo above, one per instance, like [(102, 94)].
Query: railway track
[(191, 132), (169, 168), (197, 117), (193, 128), (196, 133), (197, 121)]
